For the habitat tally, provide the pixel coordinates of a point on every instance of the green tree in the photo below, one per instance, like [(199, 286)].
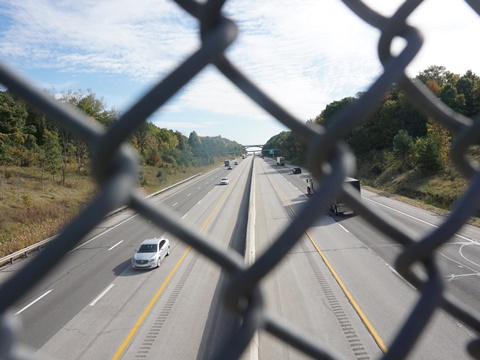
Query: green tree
[(439, 74), (409, 118), (182, 141), (442, 138), (427, 154), (90, 105), (450, 97), (194, 140), (468, 85), (52, 153), (333, 109), (68, 149), (387, 125), (403, 145), (17, 139), (359, 140)]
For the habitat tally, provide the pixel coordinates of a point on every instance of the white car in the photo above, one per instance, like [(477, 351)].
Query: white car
[(151, 253), (223, 181)]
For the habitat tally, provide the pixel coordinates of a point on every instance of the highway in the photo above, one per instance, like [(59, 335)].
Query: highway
[(363, 260), (94, 306)]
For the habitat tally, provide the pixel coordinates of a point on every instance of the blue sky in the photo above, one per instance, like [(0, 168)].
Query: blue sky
[(304, 53)]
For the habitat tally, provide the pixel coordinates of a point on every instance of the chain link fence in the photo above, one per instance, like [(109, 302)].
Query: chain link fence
[(115, 169)]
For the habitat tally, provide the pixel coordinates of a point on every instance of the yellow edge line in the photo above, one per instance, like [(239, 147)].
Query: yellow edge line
[(347, 293), (149, 307)]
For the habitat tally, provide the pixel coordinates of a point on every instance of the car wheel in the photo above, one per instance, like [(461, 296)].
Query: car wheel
[(158, 263), (168, 251), (335, 211), (308, 190)]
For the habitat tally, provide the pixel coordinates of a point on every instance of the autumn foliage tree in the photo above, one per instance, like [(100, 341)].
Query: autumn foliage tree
[(396, 127), (29, 138)]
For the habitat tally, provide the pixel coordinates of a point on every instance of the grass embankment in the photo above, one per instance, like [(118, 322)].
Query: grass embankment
[(32, 210), (434, 191)]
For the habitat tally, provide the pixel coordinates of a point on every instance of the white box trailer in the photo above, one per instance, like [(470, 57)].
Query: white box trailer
[(336, 206)]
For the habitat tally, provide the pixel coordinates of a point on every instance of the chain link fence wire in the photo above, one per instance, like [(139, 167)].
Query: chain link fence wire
[(115, 168)]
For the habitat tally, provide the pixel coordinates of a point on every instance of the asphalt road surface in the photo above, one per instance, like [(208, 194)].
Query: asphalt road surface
[(337, 285)]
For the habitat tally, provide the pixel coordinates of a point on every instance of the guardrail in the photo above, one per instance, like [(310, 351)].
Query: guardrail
[(23, 253)]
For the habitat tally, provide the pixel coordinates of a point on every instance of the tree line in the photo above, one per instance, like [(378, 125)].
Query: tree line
[(29, 138), (396, 131)]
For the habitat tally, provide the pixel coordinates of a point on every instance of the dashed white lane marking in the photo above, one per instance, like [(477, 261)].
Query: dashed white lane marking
[(33, 302), (102, 294), (114, 246), (103, 233)]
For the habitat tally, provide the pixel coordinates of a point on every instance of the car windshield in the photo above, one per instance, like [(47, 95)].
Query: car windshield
[(148, 248)]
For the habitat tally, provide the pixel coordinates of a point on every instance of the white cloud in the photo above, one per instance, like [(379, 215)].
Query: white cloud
[(119, 36), (303, 53)]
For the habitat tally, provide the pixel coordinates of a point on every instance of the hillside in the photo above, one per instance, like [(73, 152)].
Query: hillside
[(436, 191), (32, 209)]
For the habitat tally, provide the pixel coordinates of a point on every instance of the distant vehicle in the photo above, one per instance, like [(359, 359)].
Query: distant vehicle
[(227, 162), (243, 156), (297, 170), (236, 162), (151, 253), (229, 168), (281, 161), (336, 206), (223, 181)]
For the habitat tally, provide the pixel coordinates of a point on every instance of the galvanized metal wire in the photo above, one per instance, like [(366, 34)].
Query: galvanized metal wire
[(115, 169)]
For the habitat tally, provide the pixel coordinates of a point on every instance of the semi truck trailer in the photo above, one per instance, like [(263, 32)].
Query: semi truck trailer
[(336, 206)]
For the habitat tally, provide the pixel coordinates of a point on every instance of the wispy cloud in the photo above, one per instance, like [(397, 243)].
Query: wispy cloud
[(114, 36), (303, 53)]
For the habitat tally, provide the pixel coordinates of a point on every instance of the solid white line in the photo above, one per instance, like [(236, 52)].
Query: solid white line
[(199, 202), (114, 246), (101, 295), (401, 212), (343, 227), (174, 204), (189, 194), (33, 302), (415, 218), (184, 216)]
